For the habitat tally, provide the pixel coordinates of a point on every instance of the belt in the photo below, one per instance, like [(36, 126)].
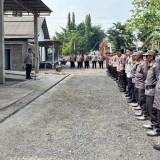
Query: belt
[(150, 87)]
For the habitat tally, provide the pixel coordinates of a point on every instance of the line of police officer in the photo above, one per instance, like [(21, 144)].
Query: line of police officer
[(138, 76)]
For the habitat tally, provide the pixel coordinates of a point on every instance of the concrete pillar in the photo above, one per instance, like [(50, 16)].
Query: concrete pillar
[(2, 77), (53, 50), (36, 43)]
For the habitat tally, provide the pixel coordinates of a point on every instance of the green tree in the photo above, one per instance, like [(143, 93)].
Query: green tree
[(98, 34), (146, 18), (69, 21), (88, 32), (73, 24), (84, 35), (119, 36)]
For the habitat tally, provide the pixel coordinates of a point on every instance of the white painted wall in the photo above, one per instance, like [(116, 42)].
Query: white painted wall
[(41, 38)]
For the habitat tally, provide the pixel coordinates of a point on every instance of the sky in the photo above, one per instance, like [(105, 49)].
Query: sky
[(103, 12)]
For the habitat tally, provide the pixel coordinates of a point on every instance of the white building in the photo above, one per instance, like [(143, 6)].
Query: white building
[(19, 31)]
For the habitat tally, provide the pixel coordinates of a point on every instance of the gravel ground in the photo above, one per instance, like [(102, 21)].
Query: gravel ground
[(85, 117)]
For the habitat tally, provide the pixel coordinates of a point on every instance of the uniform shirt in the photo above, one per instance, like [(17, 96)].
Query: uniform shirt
[(118, 65), (78, 58), (111, 61), (122, 61), (141, 74), (126, 63), (133, 71), (115, 61), (100, 58), (72, 58), (28, 58), (94, 58), (86, 58), (156, 103), (129, 67), (152, 77)]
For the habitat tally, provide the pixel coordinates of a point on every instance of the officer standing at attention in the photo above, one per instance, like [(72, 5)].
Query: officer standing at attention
[(156, 104), (94, 60), (133, 73), (115, 63), (128, 69), (150, 84), (123, 80), (72, 65), (86, 61), (28, 60), (140, 77)]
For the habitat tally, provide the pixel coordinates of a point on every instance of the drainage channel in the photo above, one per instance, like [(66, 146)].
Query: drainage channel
[(21, 107)]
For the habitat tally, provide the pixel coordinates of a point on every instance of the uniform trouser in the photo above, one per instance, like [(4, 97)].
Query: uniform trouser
[(72, 65), (107, 66), (133, 92), (93, 64), (114, 72), (118, 76), (136, 94), (142, 101), (158, 118), (86, 64), (130, 88), (28, 70), (123, 80), (111, 69), (156, 122), (100, 64), (151, 110), (79, 65)]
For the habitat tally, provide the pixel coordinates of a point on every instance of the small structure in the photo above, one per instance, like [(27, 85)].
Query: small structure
[(30, 7), (18, 32), (53, 45)]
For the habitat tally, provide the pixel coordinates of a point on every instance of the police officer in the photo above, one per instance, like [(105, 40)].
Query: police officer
[(115, 63), (111, 64), (86, 61), (100, 60), (133, 72), (119, 54), (156, 104), (123, 82), (79, 62), (150, 84), (72, 64), (28, 60), (128, 69), (140, 77), (94, 60)]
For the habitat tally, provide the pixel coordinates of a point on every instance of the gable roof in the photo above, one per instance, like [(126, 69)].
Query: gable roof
[(23, 27), (27, 6)]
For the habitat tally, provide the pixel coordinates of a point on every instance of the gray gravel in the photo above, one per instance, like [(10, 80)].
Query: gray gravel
[(85, 117)]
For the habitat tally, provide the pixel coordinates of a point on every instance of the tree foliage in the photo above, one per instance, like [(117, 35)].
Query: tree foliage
[(146, 18), (80, 38), (119, 36)]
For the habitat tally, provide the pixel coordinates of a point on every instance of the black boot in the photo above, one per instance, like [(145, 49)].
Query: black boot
[(156, 146)]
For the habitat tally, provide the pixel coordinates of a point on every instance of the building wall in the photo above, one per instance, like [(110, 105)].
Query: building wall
[(17, 53), (41, 50), (18, 49)]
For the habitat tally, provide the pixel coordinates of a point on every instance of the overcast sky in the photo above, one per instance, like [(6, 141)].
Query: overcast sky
[(104, 12)]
